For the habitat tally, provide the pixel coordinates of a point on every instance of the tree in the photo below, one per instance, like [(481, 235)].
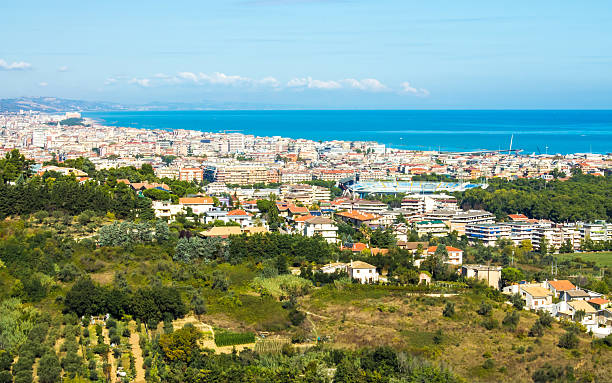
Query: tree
[(485, 309), (517, 301), (566, 247), (181, 344), (84, 298), (569, 340), (162, 231), (49, 369), (511, 275)]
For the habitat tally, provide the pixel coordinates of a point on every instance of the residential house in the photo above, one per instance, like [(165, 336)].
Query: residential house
[(166, 210), (490, 274), (198, 205), (574, 295), (322, 226), (487, 233), (240, 216), (558, 286), (589, 320), (362, 271), (455, 255), (599, 303), (358, 218), (331, 268), (536, 297)]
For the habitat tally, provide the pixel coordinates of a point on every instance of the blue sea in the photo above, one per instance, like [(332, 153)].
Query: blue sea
[(534, 131)]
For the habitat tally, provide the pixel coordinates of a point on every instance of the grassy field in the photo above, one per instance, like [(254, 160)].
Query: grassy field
[(603, 259), (416, 325)]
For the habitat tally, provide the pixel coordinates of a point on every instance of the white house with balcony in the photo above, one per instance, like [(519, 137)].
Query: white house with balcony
[(322, 226)]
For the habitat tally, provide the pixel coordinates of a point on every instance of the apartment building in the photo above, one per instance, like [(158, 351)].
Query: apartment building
[(293, 176), (487, 233), (191, 174), (597, 231), (322, 226), (436, 228), (241, 174)]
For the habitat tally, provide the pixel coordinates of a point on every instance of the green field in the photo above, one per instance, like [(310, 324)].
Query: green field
[(602, 259)]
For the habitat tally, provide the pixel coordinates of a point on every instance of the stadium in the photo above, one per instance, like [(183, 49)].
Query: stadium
[(362, 188)]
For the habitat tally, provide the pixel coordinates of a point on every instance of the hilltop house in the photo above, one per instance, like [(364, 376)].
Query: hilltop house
[(536, 297), (455, 255), (363, 272), (559, 286)]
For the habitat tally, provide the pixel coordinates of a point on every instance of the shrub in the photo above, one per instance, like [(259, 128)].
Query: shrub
[(485, 309), (488, 364), (449, 310), (296, 317), (549, 373), (537, 330), (490, 323), (512, 319), (517, 301), (568, 340), (6, 377)]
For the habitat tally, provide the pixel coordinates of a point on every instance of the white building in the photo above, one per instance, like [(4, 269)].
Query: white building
[(324, 227), (166, 210), (199, 205), (363, 272)]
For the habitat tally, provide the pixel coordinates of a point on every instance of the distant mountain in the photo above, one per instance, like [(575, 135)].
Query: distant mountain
[(58, 105), (54, 104)]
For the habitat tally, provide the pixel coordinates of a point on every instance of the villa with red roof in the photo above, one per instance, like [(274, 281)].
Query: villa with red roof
[(557, 287), (455, 255)]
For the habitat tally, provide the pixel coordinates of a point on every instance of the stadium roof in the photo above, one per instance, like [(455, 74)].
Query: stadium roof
[(393, 187)]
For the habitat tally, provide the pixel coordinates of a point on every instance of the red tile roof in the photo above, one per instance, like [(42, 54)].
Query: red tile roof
[(562, 285), (237, 212)]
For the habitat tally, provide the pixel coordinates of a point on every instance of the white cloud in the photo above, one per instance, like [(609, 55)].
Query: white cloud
[(63, 68), (367, 84), (218, 78), (408, 88), (15, 65), (43, 84), (143, 82), (309, 82), (110, 81)]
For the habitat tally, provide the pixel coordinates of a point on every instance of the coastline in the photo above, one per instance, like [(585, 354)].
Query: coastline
[(535, 132)]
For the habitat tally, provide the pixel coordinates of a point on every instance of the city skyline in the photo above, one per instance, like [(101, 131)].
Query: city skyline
[(311, 54)]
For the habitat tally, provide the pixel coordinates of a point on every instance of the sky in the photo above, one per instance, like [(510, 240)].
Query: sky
[(374, 54)]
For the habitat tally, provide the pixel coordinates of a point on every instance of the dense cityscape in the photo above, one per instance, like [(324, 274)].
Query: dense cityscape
[(301, 217), (305, 191)]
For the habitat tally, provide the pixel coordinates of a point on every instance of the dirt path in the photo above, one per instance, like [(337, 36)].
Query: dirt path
[(111, 357), (137, 353)]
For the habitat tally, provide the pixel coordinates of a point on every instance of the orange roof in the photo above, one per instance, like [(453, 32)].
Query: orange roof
[(303, 218), (518, 217), (298, 209), (237, 212), (358, 215), (598, 301), (432, 249), (196, 201), (562, 285), (359, 247)]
